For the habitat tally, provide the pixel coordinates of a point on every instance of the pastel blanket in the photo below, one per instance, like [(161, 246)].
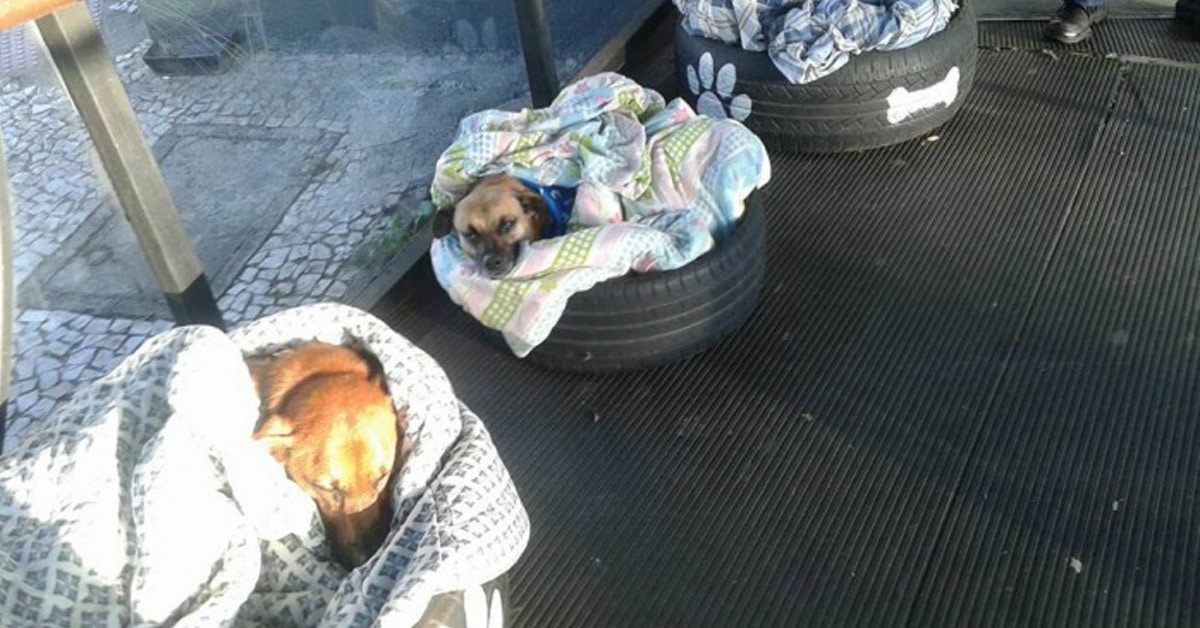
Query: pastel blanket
[(145, 502), (656, 186)]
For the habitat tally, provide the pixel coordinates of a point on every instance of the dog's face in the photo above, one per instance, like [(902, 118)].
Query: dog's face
[(493, 220), (330, 422)]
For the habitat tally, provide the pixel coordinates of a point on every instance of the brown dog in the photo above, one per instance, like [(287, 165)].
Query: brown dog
[(493, 220), (329, 420)]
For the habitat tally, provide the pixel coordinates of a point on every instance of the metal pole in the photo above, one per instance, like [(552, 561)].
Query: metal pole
[(8, 295), (91, 80), (539, 51)]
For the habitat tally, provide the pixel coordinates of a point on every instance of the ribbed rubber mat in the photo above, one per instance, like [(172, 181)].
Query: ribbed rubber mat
[(799, 473), (1042, 9), (1136, 39), (1080, 509)]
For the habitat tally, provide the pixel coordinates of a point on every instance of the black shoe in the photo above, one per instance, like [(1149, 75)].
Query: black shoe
[(1073, 23)]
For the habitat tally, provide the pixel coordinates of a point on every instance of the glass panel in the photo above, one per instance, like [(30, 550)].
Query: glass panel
[(298, 138), (74, 288), (581, 29)]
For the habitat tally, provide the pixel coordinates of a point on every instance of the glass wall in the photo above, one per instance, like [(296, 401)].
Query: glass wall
[(298, 139)]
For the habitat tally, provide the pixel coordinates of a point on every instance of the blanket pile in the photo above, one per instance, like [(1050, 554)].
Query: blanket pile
[(811, 39), (145, 501), (656, 185)]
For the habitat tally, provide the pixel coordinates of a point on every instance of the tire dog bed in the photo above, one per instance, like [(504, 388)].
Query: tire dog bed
[(641, 321), (877, 99), (656, 187)]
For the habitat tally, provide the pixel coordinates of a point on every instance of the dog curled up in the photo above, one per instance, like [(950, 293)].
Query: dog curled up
[(328, 419), (498, 215)]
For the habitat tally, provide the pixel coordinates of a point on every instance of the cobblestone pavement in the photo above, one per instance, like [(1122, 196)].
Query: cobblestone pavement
[(392, 113)]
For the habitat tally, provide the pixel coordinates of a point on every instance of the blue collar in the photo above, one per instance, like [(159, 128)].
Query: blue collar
[(560, 201)]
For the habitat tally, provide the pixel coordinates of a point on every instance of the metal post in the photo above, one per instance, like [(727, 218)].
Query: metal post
[(539, 51), (91, 80), (8, 295)]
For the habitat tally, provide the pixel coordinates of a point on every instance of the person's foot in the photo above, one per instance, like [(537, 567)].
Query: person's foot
[(1073, 23)]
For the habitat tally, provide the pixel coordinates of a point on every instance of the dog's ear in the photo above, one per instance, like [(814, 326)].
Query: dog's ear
[(375, 373), (443, 222), (277, 434), (260, 373), (532, 202)]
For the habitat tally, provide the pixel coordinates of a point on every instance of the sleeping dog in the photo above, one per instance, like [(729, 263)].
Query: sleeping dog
[(500, 213), (328, 419)]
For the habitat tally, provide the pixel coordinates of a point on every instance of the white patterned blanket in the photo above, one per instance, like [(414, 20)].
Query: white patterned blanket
[(145, 502), (655, 184)]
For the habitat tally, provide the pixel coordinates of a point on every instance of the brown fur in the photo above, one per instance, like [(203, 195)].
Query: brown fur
[(329, 420), (492, 221)]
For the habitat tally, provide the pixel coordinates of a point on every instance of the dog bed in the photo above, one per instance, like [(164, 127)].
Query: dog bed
[(656, 186), (876, 99), (145, 501), (641, 321)]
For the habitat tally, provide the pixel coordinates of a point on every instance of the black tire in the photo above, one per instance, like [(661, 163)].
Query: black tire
[(451, 610), (642, 321), (848, 109)]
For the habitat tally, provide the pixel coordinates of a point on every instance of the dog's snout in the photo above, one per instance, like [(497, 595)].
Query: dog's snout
[(350, 556), (497, 264), (359, 534)]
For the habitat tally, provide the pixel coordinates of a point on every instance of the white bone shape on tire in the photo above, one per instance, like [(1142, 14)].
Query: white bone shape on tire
[(903, 104)]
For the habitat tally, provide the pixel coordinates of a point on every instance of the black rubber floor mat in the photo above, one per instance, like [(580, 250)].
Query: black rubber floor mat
[(1080, 508), (1133, 39), (799, 473), (1043, 9)]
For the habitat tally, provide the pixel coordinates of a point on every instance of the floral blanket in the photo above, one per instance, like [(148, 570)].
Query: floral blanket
[(656, 184)]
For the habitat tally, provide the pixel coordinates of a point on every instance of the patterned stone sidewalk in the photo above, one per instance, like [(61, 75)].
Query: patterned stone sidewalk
[(386, 114)]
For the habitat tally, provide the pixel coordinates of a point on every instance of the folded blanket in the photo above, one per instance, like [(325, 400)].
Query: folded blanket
[(811, 39), (655, 183), (146, 502)]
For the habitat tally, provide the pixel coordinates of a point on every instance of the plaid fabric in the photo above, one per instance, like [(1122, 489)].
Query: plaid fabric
[(811, 39)]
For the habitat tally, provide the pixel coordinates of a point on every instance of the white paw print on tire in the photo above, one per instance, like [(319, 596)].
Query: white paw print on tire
[(716, 99)]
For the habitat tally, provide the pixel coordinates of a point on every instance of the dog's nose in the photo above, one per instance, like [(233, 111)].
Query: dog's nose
[(350, 557), (493, 263)]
